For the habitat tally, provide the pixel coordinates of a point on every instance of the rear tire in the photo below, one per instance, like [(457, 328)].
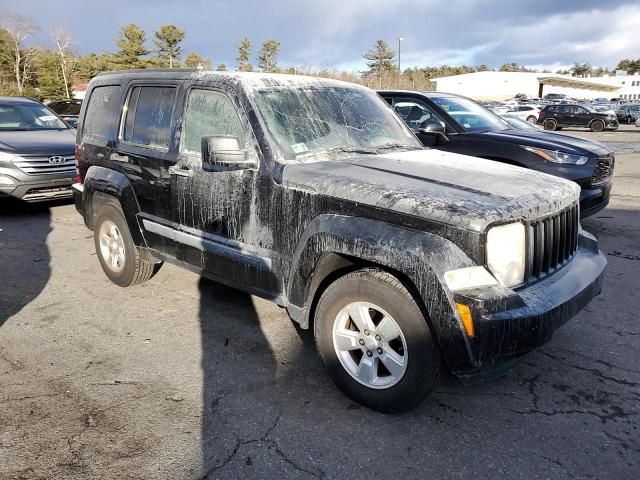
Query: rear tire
[(532, 119), (386, 359), (550, 124), (122, 262), (597, 126)]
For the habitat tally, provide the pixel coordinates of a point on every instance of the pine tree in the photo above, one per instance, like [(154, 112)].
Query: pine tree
[(244, 55), (380, 61), (193, 60), (268, 58), (222, 67), (168, 39), (132, 48)]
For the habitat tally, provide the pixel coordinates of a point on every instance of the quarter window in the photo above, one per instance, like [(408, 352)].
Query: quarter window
[(148, 117), (210, 113), (103, 107)]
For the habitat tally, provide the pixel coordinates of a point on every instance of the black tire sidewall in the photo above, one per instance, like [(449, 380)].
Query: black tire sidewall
[(550, 122), (125, 277), (423, 357)]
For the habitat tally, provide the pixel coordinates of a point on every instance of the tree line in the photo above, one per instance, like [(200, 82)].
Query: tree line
[(48, 73)]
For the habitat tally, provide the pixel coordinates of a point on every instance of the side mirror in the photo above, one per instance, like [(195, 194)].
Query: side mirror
[(223, 152), (435, 130)]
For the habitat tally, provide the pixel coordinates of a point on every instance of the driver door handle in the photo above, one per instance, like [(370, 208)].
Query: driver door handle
[(119, 158), (180, 171)]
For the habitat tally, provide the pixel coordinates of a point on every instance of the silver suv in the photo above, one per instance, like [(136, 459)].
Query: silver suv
[(37, 160)]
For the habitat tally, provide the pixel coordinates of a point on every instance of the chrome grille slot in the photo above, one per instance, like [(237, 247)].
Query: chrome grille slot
[(39, 165), (604, 169), (554, 241)]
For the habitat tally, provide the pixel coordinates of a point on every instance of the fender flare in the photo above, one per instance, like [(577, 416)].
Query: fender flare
[(103, 185), (421, 258)]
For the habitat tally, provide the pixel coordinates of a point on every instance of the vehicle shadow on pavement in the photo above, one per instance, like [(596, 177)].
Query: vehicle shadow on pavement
[(24, 259), (232, 335)]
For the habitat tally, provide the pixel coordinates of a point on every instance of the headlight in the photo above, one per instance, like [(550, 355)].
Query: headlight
[(506, 247), (558, 157)]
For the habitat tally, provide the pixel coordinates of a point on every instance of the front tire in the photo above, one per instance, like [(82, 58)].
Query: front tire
[(122, 262), (597, 126), (373, 339), (550, 124)]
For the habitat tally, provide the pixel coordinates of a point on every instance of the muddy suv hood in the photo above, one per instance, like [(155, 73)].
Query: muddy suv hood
[(458, 190)]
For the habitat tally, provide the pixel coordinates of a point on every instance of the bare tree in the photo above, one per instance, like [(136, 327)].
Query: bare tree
[(64, 39), (19, 28)]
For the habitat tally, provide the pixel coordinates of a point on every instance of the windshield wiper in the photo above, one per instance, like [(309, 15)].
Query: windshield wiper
[(392, 145), (364, 151)]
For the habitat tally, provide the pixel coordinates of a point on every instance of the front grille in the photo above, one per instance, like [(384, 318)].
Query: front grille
[(553, 241), (39, 165), (603, 171)]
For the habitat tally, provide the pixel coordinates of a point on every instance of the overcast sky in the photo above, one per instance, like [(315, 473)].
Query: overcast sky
[(335, 33)]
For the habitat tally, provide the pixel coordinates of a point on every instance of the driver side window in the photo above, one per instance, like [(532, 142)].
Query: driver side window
[(210, 113), (415, 113)]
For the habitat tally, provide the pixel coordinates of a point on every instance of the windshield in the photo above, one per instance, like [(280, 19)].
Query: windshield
[(307, 122), (28, 116), (469, 115)]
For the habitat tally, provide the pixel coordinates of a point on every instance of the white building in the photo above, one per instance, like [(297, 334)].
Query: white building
[(505, 85)]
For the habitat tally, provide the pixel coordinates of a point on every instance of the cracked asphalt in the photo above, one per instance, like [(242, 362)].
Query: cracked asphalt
[(181, 378)]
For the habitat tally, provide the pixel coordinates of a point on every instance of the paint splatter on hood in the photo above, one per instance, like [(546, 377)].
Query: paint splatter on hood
[(462, 191)]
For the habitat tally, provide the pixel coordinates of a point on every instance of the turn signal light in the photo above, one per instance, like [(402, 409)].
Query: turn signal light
[(467, 320)]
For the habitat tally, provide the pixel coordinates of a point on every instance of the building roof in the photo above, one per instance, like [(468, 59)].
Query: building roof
[(576, 82), (554, 79)]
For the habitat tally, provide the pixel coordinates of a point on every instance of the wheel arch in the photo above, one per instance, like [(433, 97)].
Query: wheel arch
[(103, 186), (335, 245)]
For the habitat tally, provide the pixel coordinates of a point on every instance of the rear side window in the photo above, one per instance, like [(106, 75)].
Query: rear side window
[(101, 114), (148, 116), (210, 113)]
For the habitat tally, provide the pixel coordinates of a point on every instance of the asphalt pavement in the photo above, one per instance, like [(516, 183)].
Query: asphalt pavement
[(181, 378)]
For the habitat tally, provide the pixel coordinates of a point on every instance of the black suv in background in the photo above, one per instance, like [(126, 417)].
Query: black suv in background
[(36, 151), (555, 117), (458, 124), (68, 110), (628, 113), (312, 193)]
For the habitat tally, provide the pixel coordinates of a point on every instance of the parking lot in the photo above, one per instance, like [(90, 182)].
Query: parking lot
[(183, 378)]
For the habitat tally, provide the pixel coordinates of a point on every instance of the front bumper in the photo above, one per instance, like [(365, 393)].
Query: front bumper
[(38, 190), (594, 198), (510, 323), (612, 125)]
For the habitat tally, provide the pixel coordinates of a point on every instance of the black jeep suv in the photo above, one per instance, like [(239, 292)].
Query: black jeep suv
[(459, 125), (314, 194), (555, 117)]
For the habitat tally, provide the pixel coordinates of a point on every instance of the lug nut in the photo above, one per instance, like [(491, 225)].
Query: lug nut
[(378, 337), (369, 354), (379, 351), (361, 342), (366, 332)]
